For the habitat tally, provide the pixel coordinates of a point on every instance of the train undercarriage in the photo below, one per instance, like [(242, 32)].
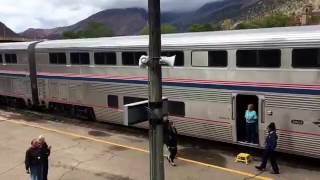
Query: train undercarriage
[(67, 110)]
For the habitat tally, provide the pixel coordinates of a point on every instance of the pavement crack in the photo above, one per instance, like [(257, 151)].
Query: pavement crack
[(68, 147), (79, 163), (72, 168), (12, 168), (112, 156)]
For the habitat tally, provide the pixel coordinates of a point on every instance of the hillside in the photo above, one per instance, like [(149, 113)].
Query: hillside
[(128, 21), (121, 21), (132, 21), (216, 11), (239, 10), (7, 33)]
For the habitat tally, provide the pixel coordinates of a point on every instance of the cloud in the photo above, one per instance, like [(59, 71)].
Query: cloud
[(22, 14)]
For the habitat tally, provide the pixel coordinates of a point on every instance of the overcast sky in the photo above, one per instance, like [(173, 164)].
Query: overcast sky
[(22, 14)]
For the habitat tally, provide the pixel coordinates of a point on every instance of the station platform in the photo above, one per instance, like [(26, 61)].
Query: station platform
[(95, 151)]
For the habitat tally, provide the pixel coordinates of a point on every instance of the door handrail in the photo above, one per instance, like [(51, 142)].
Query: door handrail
[(232, 107), (262, 110)]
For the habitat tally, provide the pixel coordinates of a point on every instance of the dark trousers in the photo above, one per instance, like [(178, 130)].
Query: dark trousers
[(173, 153), (268, 154), (36, 172), (45, 170), (251, 132)]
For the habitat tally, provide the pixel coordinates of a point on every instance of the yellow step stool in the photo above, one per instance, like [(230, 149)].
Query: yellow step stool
[(243, 157)]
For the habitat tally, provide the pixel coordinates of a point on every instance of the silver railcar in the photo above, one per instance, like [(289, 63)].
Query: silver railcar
[(216, 75)]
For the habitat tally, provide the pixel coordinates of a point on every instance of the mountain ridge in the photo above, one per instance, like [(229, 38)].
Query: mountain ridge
[(132, 21), (6, 32)]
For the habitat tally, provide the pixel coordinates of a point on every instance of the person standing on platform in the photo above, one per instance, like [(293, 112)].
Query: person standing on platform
[(33, 161), (270, 146), (251, 124), (45, 153), (171, 142)]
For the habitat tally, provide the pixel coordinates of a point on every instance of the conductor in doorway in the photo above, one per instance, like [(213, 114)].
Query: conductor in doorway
[(271, 144), (251, 124)]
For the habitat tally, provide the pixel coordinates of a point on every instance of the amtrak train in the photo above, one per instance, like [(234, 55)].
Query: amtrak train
[(215, 76)]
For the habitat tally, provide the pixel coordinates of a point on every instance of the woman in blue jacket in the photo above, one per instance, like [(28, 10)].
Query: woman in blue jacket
[(271, 144), (251, 124)]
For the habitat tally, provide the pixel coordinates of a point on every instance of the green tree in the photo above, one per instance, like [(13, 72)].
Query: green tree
[(165, 29), (216, 27), (95, 29), (92, 30), (168, 28), (227, 24), (70, 35), (273, 20), (315, 20), (200, 27)]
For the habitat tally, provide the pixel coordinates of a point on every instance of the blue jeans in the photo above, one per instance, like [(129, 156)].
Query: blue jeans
[(36, 172), (251, 132)]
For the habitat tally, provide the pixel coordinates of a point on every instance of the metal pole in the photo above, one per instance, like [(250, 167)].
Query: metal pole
[(155, 93)]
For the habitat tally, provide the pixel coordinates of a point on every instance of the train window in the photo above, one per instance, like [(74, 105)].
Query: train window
[(217, 58), (179, 61), (80, 58), (57, 58), (129, 100), (105, 58), (259, 58), (270, 58), (11, 58), (131, 58), (113, 101), (1, 58), (306, 58), (176, 108)]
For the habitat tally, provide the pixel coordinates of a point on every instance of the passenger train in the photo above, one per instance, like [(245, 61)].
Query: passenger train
[(215, 76)]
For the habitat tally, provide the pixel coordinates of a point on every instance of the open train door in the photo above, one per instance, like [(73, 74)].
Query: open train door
[(240, 104), (138, 112)]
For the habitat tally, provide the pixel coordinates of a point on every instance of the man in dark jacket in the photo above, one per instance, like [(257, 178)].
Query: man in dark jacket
[(33, 161), (271, 144), (171, 142), (45, 153)]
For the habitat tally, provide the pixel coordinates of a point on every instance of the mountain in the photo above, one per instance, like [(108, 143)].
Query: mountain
[(131, 21), (171, 17), (211, 12), (54, 33), (121, 21), (128, 21), (237, 10), (7, 33)]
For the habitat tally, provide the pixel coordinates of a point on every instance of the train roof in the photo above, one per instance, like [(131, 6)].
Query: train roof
[(15, 45), (235, 38), (283, 36)]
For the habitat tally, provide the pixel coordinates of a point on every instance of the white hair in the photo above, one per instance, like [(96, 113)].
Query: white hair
[(41, 137)]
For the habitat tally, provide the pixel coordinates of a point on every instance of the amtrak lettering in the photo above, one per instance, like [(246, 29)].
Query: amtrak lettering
[(297, 122)]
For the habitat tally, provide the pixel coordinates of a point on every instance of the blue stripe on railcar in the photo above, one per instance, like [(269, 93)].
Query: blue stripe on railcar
[(196, 85), (186, 84)]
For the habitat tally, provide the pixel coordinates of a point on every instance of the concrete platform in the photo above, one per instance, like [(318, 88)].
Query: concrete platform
[(95, 151)]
